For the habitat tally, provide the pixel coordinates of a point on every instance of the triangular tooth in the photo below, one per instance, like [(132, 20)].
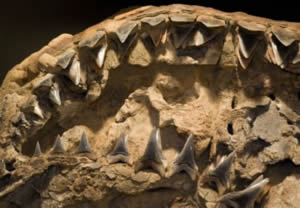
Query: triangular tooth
[(247, 42), (38, 111), (185, 161), (245, 198), (155, 28), (74, 72), (278, 58), (179, 33), (101, 55), (220, 173), (125, 30), (84, 146), (120, 151), (153, 156), (58, 146), (37, 150), (54, 94)]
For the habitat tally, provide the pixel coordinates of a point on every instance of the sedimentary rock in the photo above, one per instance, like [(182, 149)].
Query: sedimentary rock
[(112, 108)]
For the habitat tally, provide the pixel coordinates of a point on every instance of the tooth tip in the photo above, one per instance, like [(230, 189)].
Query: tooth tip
[(58, 146), (37, 151), (120, 151), (84, 146)]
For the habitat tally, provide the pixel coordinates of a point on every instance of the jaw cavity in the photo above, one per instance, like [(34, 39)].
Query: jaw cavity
[(219, 173), (120, 151), (245, 198), (185, 161), (153, 156)]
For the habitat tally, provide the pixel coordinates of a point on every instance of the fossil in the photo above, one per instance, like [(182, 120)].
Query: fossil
[(136, 84)]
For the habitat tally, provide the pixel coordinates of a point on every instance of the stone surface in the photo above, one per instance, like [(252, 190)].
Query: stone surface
[(229, 79)]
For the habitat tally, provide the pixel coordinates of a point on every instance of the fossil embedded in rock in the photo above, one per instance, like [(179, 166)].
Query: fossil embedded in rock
[(74, 72), (219, 173), (185, 161), (54, 95), (153, 156), (58, 147), (84, 146), (120, 151), (93, 41), (37, 150), (245, 198), (101, 55)]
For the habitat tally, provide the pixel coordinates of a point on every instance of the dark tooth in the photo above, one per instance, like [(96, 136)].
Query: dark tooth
[(155, 27), (245, 198), (84, 146), (65, 58), (54, 94), (92, 41), (185, 161), (58, 146), (124, 31), (247, 43), (153, 156), (120, 151), (37, 150), (220, 173)]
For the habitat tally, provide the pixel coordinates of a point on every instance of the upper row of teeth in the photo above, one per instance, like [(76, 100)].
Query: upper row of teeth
[(185, 32)]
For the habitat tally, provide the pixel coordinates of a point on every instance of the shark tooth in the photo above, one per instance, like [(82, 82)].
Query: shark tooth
[(101, 55), (74, 72), (93, 41), (153, 156), (84, 146), (125, 30), (220, 172), (58, 146), (155, 27), (38, 111), (245, 198), (37, 150), (65, 58), (120, 151), (247, 43), (185, 161), (54, 94)]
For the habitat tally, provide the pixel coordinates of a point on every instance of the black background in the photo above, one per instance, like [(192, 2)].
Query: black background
[(28, 25)]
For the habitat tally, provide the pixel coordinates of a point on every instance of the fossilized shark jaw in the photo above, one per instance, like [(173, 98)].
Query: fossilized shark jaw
[(58, 147), (219, 173), (185, 161), (37, 150), (84, 146), (245, 198), (153, 156), (120, 151)]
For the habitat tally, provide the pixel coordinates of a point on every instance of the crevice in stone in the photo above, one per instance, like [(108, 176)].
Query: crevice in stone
[(254, 147), (272, 96), (230, 129)]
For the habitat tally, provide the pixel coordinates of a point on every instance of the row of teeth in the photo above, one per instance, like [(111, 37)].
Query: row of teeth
[(190, 36), (184, 162)]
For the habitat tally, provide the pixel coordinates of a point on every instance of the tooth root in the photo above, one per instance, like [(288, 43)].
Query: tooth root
[(65, 58), (37, 150), (84, 146), (58, 146), (93, 41), (246, 197), (74, 72), (101, 55), (185, 161), (220, 173), (54, 94), (120, 151), (153, 156)]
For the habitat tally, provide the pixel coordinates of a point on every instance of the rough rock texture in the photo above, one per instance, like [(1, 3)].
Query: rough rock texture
[(231, 80)]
